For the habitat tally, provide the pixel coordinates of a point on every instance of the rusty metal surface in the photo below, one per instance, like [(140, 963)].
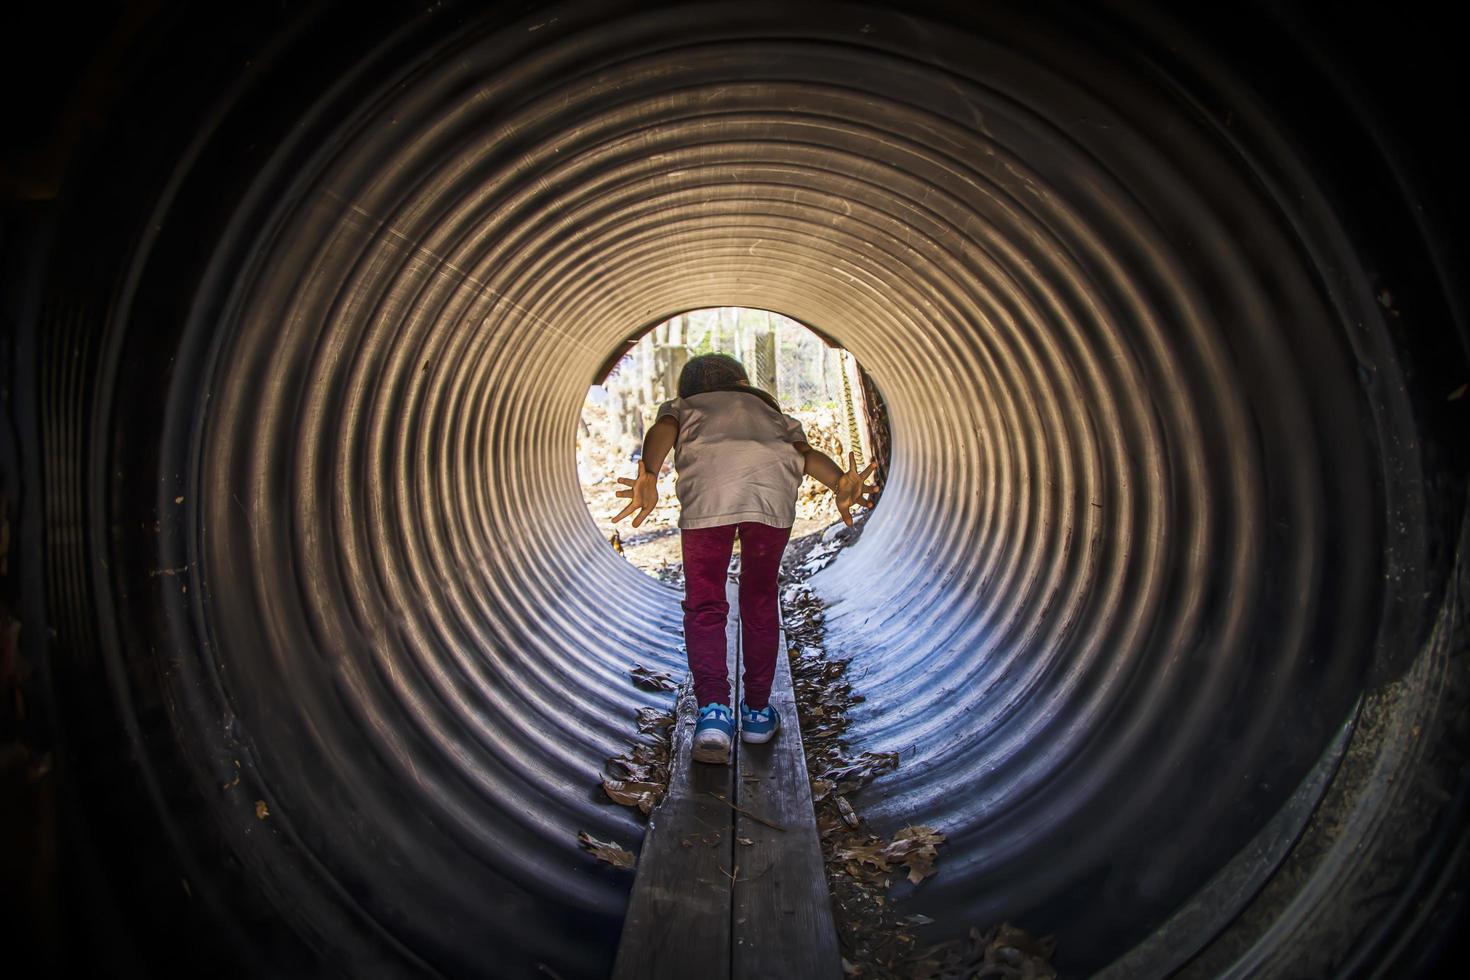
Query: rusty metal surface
[(1168, 487)]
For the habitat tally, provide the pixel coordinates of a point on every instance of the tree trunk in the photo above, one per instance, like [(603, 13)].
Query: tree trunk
[(675, 353)]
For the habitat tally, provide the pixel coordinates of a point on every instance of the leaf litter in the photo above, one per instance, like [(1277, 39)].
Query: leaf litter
[(638, 776), (877, 939)]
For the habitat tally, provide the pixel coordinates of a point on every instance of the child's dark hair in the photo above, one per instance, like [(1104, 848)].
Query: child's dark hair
[(718, 372)]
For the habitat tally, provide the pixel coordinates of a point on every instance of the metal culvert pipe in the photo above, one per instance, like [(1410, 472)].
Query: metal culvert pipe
[(1163, 607)]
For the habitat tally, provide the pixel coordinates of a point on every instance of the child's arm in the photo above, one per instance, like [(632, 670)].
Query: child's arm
[(849, 488), (643, 490)]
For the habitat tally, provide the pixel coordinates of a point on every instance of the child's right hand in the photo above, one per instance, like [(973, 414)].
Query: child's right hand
[(642, 493), (852, 488)]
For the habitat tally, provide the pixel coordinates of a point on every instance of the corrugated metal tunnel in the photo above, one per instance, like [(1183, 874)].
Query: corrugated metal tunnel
[(1161, 607)]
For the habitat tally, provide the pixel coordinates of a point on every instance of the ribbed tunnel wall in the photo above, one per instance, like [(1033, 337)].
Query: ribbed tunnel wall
[(1164, 499)]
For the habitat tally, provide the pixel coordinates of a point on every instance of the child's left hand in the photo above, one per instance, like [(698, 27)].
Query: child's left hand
[(642, 493)]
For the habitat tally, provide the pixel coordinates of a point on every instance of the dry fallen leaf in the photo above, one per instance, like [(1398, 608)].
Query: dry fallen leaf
[(643, 795), (864, 854), (849, 815), (652, 720), (920, 864), (1014, 937), (915, 847), (1004, 953), (866, 767), (913, 836), (605, 851), (652, 680), (639, 772)]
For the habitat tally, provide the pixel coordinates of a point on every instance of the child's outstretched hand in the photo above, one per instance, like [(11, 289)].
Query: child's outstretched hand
[(642, 493), (852, 488)]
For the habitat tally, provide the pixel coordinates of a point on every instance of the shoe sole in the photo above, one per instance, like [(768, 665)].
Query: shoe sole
[(760, 738), (712, 752)]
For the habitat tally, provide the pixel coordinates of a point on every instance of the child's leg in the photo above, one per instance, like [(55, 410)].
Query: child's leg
[(706, 558), (761, 547)]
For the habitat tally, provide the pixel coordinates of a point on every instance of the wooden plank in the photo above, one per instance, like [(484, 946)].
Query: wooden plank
[(686, 916), (678, 922), (782, 925)]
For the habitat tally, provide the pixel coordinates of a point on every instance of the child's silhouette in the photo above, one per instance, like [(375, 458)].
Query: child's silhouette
[(740, 461)]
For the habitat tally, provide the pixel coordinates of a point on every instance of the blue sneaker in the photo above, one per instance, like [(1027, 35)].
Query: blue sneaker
[(759, 726), (713, 733)]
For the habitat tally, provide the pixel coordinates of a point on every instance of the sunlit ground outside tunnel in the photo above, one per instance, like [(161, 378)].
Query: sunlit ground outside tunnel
[(815, 382)]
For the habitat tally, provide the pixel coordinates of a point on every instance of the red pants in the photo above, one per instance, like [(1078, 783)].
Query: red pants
[(706, 560)]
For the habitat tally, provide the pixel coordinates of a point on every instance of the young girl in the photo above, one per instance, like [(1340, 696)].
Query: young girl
[(740, 461)]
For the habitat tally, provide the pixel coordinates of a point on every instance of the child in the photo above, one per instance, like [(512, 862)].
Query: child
[(740, 461)]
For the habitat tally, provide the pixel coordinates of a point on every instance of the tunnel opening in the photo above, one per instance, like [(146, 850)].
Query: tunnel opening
[(812, 378), (1167, 582)]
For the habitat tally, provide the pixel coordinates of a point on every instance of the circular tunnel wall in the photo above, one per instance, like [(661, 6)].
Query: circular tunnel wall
[(1171, 502)]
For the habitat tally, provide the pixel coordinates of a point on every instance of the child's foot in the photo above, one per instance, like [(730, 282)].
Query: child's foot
[(713, 733), (759, 726)]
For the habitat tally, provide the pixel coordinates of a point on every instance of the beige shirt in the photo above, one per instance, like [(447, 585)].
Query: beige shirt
[(737, 460)]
